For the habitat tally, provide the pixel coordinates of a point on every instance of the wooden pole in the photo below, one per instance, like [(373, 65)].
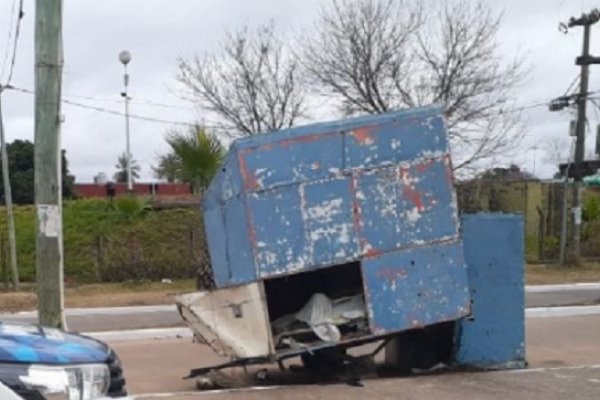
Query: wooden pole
[(48, 182)]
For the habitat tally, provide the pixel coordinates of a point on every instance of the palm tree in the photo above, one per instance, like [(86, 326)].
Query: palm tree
[(121, 166), (198, 156), (168, 168)]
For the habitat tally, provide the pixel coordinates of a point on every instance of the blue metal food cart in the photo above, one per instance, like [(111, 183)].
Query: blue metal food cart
[(337, 234)]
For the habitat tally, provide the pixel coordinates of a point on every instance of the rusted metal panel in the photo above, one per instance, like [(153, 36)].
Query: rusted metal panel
[(407, 205), (416, 287), (331, 193), (303, 226), (307, 157), (232, 321), (410, 137)]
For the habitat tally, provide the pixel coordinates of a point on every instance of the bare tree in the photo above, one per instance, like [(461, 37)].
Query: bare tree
[(557, 150), (252, 86), (380, 55)]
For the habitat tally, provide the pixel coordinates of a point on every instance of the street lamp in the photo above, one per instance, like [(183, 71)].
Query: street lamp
[(125, 58)]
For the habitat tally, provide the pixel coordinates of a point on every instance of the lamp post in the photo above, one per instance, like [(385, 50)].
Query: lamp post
[(125, 58)]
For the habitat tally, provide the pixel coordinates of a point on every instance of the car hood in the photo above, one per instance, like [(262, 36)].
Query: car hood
[(31, 344)]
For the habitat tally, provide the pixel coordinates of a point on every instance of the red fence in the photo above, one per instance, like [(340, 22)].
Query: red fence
[(88, 190)]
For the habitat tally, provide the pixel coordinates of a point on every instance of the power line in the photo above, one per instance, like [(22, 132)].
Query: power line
[(120, 113), (137, 100), (15, 43), (8, 38), (572, 85), (213, 125)]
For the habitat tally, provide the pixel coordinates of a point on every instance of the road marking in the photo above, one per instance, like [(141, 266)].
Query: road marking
[(545, 369), (571, 311), (141, 334), (202, 393), (562, 287), (76, 312)]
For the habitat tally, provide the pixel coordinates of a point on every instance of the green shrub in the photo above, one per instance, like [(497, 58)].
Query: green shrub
[(591, 209), (131, 206)]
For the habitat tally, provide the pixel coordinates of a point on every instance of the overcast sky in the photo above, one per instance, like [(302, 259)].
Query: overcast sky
[(157, 32)]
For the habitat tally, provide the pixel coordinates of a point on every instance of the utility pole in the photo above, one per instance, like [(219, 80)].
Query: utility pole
[(48, 182), (586, 20), (12, 241)]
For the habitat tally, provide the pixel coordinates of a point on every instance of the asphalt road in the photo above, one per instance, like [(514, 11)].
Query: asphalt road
[(562, 295), (563, 352), (107, 319)]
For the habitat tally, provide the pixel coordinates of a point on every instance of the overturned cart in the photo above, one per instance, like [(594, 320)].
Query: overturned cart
[(334, 235)]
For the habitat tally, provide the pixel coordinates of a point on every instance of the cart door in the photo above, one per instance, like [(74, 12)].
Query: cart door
[(416, 287)]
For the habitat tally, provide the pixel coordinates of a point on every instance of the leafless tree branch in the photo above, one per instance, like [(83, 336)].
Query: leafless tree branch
[(380, 55), (251, 86)]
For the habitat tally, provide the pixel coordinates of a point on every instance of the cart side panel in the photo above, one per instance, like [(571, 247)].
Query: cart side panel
[(240, 255), (233, 321), (494, 336), (329, 221), (277, 230), (405, 206), (390, 142), (299, 159), (214, 228), (416, 287)]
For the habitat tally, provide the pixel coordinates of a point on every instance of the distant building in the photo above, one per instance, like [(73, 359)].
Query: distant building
[(101, 179), (110, 189)]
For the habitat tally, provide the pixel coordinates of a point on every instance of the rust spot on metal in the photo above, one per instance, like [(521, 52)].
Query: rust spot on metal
[(300, 139), (449, 173), (414, 196), (424, 166), (357, 218), (391, 274), (364, 136), (408, 191), (250, 181), (251, 229), (371, 252)]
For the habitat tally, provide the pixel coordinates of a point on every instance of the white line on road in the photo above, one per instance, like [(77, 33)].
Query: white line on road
[(563, 368), (571, 311), (75, 312), (201, 393), (141, 334), (561, 288)]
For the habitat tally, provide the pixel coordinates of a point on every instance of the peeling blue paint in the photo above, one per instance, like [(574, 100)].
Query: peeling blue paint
[(416, 287), (327, 194)]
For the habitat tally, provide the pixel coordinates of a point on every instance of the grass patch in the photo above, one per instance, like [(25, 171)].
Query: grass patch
[(101, 295), (107, 241), (542, 274)]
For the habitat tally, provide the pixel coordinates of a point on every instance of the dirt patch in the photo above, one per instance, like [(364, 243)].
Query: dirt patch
[(542, 274), (100, 295)]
